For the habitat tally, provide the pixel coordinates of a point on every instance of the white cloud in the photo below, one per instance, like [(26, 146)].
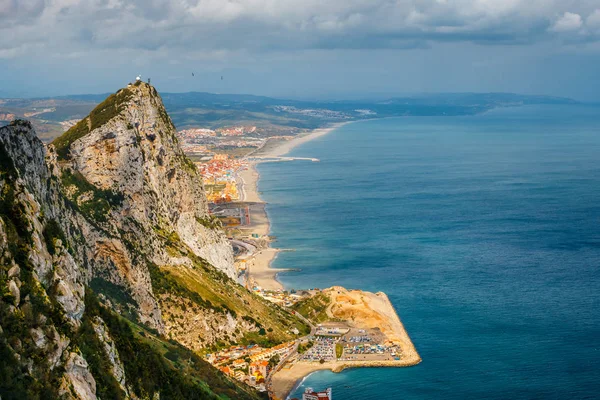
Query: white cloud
[(592, 22), (568, 22)]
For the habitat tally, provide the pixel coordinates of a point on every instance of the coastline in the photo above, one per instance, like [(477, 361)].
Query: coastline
[(288, 381), (260, 272), (284, 148), (259, 264), (365, 310)]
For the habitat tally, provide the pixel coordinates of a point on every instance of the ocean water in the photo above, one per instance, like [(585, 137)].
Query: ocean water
[(483, 230)]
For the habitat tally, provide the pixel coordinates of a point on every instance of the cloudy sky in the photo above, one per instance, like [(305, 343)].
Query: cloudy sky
[(302, 48)]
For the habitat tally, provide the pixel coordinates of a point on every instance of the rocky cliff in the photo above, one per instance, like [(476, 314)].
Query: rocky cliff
[(124, 170), (128, 145), (56, 339), (110, 262), (41, 285)]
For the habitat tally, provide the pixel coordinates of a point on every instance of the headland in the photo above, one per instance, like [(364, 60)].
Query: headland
[(358, 329)]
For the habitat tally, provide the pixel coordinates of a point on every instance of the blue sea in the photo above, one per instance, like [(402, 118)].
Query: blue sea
[(483, 230)]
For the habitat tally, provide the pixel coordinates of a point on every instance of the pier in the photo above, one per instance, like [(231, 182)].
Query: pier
[(280, 159)]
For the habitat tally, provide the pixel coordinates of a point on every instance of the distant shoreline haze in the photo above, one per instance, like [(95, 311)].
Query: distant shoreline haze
[(273, 116)]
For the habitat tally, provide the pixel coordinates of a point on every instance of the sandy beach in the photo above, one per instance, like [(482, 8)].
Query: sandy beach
[(249, 178), (286, 380), (362, 310), (285, 147), (259, 264), (261, 271)]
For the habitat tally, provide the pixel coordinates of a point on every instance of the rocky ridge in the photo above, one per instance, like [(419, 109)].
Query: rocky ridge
[(115, 206), (123, 167)]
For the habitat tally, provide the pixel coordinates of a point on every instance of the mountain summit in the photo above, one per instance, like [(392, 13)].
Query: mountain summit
[(128, 145), (112, 272)]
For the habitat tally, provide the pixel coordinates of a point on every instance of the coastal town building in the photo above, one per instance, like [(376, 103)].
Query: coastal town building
[(236, 130), (259, 369), (310, 394), (280, 350), (239, 364), (239, 375), (219, 176)]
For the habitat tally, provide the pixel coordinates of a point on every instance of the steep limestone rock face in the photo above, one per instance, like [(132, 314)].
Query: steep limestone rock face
[(107, 252), (140, 197), (135, 153), (38, 202), (57, 340), (81, 382), (160, 253), (117, 368), (42, 286)]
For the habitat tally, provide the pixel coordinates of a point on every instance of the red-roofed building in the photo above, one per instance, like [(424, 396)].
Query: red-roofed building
[(259, 367), (310, 394)]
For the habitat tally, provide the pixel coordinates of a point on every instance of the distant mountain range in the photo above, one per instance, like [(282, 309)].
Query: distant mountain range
[(272, 115)]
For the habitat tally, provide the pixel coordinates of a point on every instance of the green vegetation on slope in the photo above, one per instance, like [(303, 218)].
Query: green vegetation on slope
[(100, 202), (212, 289), (94, 353), (210, 222), (52, 232), (36, 310), (314, 308), (164, 283), (151, 364), (104, 112)]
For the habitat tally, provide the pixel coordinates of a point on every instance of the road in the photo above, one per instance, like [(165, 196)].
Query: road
[(291, 354), (250, 248)]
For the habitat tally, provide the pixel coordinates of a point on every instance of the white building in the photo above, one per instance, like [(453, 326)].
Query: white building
[(310, 394)]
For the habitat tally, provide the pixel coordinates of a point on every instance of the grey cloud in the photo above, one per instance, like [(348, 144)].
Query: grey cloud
[(568, 22), (14, 10), (274, 24), (416, 40)]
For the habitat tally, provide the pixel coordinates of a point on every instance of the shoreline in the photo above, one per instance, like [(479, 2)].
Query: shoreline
[(285, 147), (303, 371), (261, 273), (259, 263), (287, 381)]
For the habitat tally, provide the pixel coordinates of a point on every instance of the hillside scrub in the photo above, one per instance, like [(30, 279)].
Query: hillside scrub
[(104, 112)]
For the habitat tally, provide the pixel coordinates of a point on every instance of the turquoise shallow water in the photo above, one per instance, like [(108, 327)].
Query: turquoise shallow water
[(485, 233)]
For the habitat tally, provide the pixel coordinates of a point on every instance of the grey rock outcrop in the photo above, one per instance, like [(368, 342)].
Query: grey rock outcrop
[(118, 370), (137, 154), (47, 292), (80, 380), (115, 208)]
